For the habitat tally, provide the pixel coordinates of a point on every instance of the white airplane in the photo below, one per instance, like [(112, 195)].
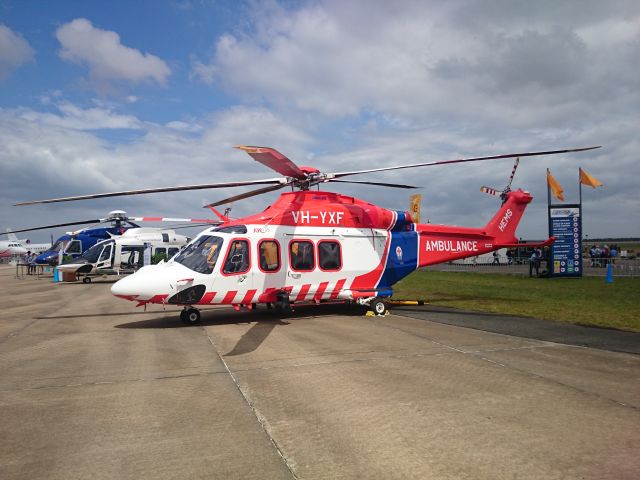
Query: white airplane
[(11, 248), (12, 242)]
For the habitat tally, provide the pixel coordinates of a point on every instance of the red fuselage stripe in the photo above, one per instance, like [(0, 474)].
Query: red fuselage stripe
[(338, 288), (321, 288), (303, 292), (228, 298), (248, 297), (207, 298)]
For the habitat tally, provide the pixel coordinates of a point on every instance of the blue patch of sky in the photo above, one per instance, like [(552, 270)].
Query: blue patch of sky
[(176, 32)]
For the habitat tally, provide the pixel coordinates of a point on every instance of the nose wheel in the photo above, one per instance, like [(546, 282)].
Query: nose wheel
[(190, 315)]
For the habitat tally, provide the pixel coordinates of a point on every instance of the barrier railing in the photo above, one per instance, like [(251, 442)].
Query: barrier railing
[(520, 266)]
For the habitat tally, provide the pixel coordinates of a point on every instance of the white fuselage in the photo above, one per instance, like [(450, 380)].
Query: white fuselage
[(345, 254)]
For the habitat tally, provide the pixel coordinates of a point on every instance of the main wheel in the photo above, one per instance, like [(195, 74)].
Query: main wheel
[(378, 306), (190, 316), (86, 280)]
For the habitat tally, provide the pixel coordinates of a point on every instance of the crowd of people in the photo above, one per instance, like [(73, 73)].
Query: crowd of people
[(602, 256)]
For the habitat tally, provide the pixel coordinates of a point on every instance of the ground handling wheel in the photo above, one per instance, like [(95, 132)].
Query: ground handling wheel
[(86, 280), (190, 316), (378, 306)]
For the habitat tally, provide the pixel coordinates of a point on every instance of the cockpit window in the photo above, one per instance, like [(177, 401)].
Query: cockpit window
[(92, 254), (201, 255), (59, 245)]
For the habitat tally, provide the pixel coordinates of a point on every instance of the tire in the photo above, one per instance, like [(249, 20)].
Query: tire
[(190, 316), (86, 280), (378, 307)]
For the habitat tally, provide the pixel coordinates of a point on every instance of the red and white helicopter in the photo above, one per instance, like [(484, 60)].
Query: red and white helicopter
[(312, 245)]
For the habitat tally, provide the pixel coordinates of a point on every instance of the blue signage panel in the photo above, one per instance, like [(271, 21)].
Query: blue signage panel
[(565, 223)]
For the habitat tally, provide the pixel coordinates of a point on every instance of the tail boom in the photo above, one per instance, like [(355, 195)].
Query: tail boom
[(440, 243)]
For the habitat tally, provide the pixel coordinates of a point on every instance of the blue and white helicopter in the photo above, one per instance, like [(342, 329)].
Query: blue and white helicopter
[(73, 244)]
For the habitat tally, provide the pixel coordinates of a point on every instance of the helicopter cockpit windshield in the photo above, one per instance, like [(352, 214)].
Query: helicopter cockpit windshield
[(60, 245), (93, 254), (201, 254)]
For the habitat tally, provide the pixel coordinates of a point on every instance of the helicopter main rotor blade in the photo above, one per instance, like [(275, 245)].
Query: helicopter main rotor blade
[(275, 160), (168, 219), (251, 193), (380, 184), (53, 226), (279, 181), (462, 160)]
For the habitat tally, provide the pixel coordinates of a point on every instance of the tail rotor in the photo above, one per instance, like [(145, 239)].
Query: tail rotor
[(502, 193)]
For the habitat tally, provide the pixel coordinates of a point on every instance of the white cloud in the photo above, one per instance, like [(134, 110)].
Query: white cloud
[(107, 58), (47, 155), (427, 61), (14, 51), (73, 117)]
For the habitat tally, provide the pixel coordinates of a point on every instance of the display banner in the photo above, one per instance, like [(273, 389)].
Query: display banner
[(565, 223)]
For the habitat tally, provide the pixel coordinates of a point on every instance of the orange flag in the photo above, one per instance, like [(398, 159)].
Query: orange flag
[(556, 189), (587, 179)]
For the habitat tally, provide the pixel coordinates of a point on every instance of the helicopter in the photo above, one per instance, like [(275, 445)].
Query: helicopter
[(312, 245), (73, 244), (124, 254)]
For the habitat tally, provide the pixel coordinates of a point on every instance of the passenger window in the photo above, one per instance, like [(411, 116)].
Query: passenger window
[(269, 253), (237, 258), (172, 252), (301, 255), (165, 237), (329, 255)]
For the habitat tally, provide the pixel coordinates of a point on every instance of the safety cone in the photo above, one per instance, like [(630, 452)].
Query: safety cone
[(609, 273)]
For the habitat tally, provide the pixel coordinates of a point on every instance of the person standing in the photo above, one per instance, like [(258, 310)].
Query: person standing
[(534, 263)]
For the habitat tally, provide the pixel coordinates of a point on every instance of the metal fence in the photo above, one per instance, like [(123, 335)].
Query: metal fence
[(520, 266)]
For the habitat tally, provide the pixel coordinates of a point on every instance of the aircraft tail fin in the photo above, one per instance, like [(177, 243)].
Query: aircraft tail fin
[(504, 223), (11, 236)]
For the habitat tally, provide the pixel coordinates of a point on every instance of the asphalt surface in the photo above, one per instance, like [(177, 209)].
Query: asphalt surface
[(91, 387), (584, 336)]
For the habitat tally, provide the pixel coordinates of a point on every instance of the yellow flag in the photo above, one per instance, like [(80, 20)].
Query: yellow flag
[(587, 179), (556, 189), (414, 208)]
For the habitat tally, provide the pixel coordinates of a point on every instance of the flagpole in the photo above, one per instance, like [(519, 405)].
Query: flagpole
[(580, 185), (548, 203)]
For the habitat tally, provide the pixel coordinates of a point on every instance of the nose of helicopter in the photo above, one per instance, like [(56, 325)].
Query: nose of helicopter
[(147, 284), (127, 288)]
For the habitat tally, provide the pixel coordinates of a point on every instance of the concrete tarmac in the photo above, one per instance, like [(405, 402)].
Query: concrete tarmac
[(91, 387)]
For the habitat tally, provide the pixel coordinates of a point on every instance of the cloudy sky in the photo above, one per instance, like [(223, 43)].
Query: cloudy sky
[(149, 94)]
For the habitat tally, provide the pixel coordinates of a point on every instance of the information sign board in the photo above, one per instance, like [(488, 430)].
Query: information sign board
[(565, 223)]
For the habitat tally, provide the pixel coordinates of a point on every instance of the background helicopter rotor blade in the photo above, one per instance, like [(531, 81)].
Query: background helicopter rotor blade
[(275, 160), (462, 160), (380, 184), (278, 181), (53, 226), (251, 193), (168, 219)]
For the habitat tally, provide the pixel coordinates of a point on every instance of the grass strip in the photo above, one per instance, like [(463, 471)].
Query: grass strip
[(585, 301)]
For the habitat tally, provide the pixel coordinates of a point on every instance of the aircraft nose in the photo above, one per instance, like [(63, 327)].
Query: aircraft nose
[(126, 288)]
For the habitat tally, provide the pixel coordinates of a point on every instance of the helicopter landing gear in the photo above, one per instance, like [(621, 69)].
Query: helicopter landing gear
[(86, 280), (376, 305), (190, 315), (283, 304)]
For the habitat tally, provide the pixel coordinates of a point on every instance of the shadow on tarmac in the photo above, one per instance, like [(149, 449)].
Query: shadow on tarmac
[(227, 316)]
